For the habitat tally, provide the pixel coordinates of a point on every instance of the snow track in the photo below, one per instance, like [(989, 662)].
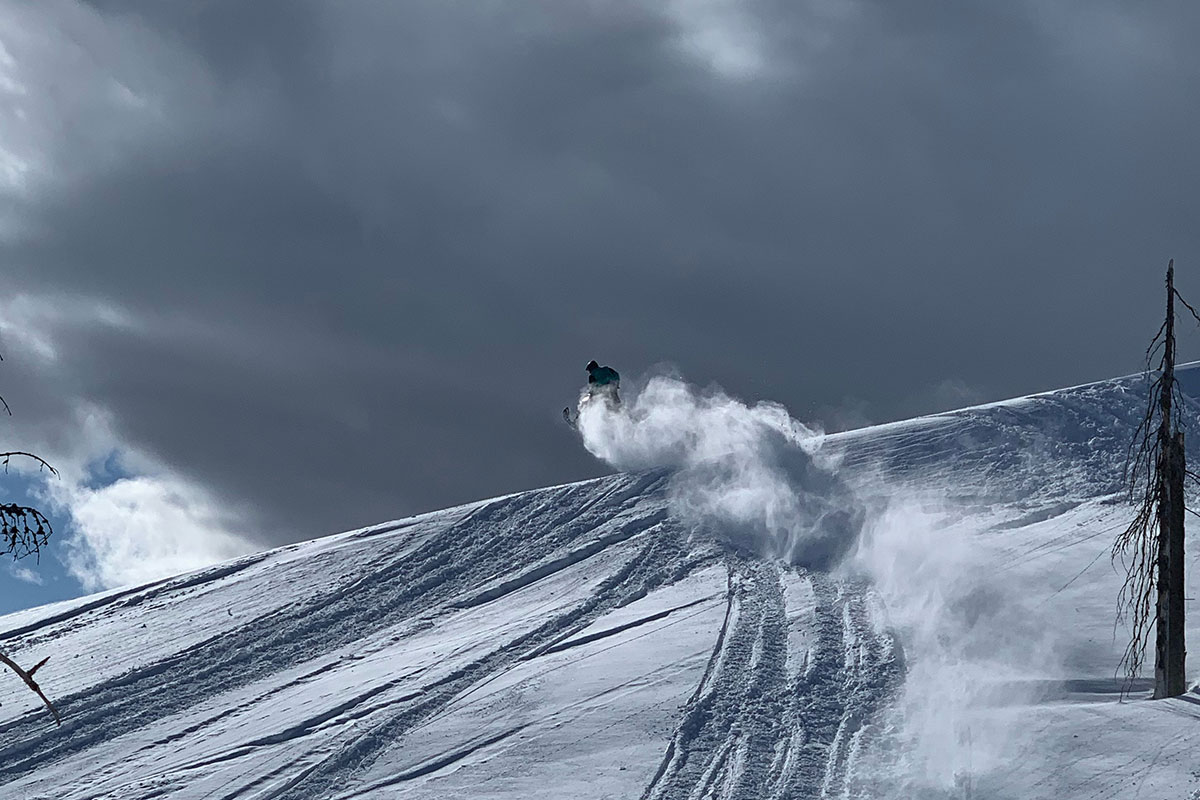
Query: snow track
[(751, 732), (662, 558), (445, 571)]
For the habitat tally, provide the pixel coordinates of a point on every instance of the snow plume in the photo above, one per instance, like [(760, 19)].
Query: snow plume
[(750, 473), (971, 637)]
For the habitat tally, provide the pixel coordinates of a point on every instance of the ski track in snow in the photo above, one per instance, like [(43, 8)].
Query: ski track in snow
[(435, 573), (334, 688), (663, 558), (750, 731)]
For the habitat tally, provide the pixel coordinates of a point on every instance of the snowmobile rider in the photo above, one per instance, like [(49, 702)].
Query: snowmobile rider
[(603, 380)]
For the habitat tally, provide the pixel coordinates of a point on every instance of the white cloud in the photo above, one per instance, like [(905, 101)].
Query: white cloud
[(720, 35), (25, 574), (30, 321), (144, 528), (736, 42), (80, 89)]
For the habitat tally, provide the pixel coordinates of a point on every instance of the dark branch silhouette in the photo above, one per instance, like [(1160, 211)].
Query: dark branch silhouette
[(24, 530), (42, 464)]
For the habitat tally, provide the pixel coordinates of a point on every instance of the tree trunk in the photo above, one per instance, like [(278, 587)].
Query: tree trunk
[(1170, 676)]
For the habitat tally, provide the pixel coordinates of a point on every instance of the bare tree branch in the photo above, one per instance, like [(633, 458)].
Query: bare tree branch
[(1195, 314), (27, 676), (42, 463), (24, 531)]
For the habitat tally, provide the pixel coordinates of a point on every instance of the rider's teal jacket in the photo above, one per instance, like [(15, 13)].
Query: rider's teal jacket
[(602, 376)]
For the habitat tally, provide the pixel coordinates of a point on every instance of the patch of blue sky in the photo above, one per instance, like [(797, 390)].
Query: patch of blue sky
[(105, 471)]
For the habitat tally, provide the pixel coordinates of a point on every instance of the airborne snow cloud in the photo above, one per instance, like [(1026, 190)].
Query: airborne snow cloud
[(974, 640), (751, 472)]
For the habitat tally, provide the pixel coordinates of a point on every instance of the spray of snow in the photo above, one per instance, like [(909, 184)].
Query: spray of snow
[(971, 643), (767, 481), (751, 472)]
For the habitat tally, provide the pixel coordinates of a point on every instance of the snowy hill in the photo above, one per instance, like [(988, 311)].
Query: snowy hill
[(597, 640)]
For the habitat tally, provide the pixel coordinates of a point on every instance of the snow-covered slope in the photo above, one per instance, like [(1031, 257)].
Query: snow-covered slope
[(588, 641)]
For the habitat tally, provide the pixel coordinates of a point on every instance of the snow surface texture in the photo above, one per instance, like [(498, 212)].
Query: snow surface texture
[(916, 610)]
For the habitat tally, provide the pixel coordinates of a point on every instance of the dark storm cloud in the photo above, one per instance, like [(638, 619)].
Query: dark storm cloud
[(370, 246)]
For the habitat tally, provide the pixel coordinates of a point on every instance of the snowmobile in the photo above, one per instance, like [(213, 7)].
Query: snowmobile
[(604, 384)]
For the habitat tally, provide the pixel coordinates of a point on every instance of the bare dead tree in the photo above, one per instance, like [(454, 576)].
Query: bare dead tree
[(1151, 548), (24, 531)]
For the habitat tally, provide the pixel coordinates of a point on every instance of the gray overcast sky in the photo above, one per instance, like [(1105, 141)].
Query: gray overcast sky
[(328, 263)]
